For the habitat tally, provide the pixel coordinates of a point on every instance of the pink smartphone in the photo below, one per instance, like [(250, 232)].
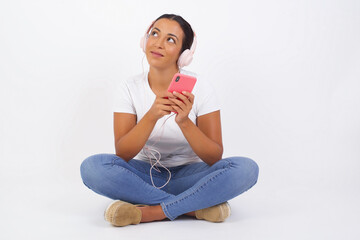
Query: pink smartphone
[(182, 82)]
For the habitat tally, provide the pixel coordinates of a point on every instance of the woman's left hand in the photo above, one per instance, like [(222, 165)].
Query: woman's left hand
[(183, 106)]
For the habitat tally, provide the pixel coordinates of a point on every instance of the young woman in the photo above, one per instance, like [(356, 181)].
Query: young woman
[(181, 130)]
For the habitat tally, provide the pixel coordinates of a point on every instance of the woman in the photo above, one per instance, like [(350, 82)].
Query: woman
[(181, 132)]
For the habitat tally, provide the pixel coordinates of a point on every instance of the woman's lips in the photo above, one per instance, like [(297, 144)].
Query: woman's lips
[(156, 54)]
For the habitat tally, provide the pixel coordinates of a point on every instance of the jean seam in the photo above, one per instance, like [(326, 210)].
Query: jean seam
[(166, 211), (113, 164), (113, 160), (124, 169), (225, 168), (229, 163)]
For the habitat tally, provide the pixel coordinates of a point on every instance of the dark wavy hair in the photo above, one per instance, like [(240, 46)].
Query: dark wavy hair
[(185, 26)]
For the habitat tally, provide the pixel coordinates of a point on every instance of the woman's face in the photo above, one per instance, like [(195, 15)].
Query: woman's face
[(164, 44)]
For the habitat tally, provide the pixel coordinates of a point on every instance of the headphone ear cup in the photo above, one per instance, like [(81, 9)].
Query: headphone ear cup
[(144, 39), (143, 42), (185, 58)]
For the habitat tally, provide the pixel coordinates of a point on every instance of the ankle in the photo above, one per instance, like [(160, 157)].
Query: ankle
[(192, 214), (152, 213), (158, 212)]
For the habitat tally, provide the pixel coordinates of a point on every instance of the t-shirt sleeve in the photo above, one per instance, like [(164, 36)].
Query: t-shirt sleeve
[(208, 99), (122, 101)]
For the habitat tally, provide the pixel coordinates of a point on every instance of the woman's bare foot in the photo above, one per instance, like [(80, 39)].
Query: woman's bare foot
[(192, 214), (155, 213), (152, 213)]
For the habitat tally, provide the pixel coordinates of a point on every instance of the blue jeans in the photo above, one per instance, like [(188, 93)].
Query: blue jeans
[(192, 187)]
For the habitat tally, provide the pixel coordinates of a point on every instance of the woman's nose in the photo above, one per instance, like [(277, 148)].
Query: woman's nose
[(159, 43)]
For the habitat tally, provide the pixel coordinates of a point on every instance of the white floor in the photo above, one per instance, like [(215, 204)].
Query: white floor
[(68, 210), (286, 74)]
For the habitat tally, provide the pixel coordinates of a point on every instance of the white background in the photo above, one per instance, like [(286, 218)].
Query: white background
[(287, 74)]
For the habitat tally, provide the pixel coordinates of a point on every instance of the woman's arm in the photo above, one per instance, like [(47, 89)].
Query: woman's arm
[(130, 137), (205, 138)]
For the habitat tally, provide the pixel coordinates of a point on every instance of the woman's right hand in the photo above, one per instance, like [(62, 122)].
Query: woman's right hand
[(161, 106)]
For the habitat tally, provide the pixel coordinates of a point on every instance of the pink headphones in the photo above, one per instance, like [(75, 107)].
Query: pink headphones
[(185, 57)]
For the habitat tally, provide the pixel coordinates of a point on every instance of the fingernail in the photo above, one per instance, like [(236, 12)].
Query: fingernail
[(183, 92), (174, 92)]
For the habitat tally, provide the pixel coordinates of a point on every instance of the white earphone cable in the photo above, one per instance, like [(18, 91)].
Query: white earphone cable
[(151, 151), (142, 65)]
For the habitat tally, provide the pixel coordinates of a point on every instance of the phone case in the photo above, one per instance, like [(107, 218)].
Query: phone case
[(182, 82)]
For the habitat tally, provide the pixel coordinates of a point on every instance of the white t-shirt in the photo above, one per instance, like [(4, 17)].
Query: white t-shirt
[(136, 97)]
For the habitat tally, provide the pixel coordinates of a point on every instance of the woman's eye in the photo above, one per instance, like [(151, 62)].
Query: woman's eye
[(171, 40), (154, 34)]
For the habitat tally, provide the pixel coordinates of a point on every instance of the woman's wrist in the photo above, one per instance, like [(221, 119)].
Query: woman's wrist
[(185, 123), (150, 118)]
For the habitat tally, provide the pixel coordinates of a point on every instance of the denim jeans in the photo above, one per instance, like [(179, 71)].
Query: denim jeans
[(191, 187)]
